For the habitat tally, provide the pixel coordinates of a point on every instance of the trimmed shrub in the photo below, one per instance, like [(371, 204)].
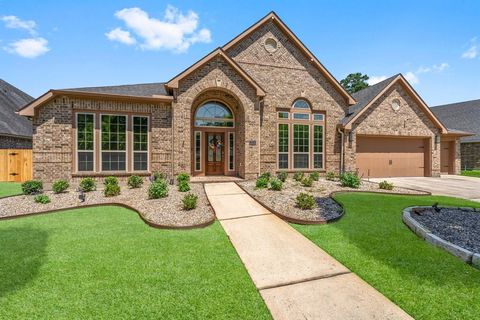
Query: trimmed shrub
[(183, 177), (88, 184), (134, 181), (330, 176), (305, 201), (261, 183), (307, 182), (60, 186), (110, 180), (190, 201), (266, 175), (385, 185), (298, 176), (32, 187), (276, 184), (157, 175), (315, 176), (282, 176), (158, 189), (350, 179), (183, 186), (111, 190), (42, 198)]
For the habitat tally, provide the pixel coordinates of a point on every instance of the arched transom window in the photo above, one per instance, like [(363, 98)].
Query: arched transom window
[(214, 114), (301, 104)]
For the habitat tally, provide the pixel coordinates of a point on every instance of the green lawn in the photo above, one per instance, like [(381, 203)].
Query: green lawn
[(471, 173), (105, 263), (9, 188), (373, 242)]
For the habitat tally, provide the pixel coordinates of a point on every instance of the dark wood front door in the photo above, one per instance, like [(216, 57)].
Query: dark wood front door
[(215, 153)]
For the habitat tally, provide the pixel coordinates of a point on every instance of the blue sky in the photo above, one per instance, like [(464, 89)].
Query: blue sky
[(61, 44)]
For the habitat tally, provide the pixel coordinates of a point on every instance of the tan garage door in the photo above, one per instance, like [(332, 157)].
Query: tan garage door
[(391, 157)]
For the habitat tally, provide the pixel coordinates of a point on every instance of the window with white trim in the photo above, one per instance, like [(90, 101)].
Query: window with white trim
[(85, 141), (114, 142), (140, 143), (198, 151), (283, 145)]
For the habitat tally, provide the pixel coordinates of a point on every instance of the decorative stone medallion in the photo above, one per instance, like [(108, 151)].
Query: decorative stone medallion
[(271, 45)]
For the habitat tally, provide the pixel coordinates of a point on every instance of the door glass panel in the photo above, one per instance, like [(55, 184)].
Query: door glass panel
[(211, 147), (219, 148)]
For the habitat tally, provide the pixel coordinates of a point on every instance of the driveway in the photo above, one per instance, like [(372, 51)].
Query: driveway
[(448, 185)]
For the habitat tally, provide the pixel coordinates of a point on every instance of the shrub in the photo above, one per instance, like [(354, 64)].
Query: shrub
[(261, 183), (276, 184), (266, 175), (157, 175), (189, 201), (60, 186), (32, 187), (282, 176), (110, 180), (183, 186), (111, 190), (330, 176), (134, 182), (158, 189), (88, 184), (298, 176), (385, 185), (315, 176), (42, 198), (305, 201), (183, 177), (350, 179), (307, 182)]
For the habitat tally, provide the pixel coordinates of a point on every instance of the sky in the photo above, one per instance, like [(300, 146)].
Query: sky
[(66, 44)]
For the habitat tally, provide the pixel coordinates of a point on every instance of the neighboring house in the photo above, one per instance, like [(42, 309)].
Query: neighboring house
[(15, 130), (262, 102), (464, 116)]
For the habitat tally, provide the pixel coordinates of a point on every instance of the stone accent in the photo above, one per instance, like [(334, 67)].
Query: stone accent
[(470, 155), (9, 142)]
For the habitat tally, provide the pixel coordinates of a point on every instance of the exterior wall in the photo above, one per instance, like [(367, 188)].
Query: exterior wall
[(9, 142), (380, 119), (470, 155), (53, 138)]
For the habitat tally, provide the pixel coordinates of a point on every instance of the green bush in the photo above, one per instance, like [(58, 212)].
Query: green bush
[(42, 198), (32, 187), (330, 176), (298, 176), (134, 181), (307, 182), (110, 180), (266, 175), (276, 184), (111, 190), (157, 175), (282, 176), (183, 177), (183, 186), (88, 184), (158, 189), (261, 183), (60, 186), (350, 179), (315, 176), (385, 185), (305, 201), (189, 201)]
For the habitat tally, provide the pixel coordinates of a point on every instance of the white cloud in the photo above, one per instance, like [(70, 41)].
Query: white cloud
[(29, 48), (472, 51), (13, 22), (176, 31), (441, 67), (411, 77), (120, 35), (375, 79)]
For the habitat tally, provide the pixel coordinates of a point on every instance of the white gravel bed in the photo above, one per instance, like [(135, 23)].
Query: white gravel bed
[(166, 212)]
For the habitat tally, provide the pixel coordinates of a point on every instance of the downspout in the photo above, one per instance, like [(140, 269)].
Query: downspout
[(341, 150), (173, 131)]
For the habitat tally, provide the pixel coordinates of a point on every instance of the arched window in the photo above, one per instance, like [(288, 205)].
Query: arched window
[(214, 114), (301, 104)]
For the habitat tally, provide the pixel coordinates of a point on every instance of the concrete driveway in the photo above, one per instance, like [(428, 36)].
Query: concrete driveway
[(448, 185)]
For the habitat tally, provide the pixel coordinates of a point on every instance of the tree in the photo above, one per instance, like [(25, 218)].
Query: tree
[(355, 82)]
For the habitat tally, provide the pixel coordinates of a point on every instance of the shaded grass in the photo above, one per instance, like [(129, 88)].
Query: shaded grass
[(471, 173), (9, 189), (104, 262), (373, 242)]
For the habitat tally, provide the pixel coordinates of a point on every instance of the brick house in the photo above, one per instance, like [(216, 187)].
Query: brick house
[(262, 102)]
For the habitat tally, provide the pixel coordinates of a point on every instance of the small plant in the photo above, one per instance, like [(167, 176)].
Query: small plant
[(60, 186), (261, 183), (315, 176), (330, 176), (134, 182), (88, 184), (385, 185), (266, 175), (183, 177), (111, 190), (32, 187), (189, 201), (183, 186), (298, 176), (350, 180), (282, 176), (305, 201), (276, 184), (42, 198), (158, 189), (307, 182), (157, 175), (111, 181)]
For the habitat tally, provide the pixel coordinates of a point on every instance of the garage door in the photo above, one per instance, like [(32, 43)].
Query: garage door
[(390, 157)]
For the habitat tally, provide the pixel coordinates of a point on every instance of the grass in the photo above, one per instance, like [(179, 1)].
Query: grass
[(373, 242), (105, 263), (9, 189), (471, 173)]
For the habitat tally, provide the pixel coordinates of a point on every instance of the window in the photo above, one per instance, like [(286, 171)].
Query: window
[(301, 116), (198, 150), (214, 114), (85, 141), (317, 147), (283, 146), (283, 115), (114, 142), (301, 104), (231, 152), (318, 117), (301, 146), (140, 143)]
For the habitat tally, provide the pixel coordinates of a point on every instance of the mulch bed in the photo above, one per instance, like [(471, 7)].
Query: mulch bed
[(166, 212)]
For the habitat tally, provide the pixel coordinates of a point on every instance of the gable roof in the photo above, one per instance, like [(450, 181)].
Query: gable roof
[(12, 98), (369, 95), (139, 90), (173, 83), (272, 16), (463, 116)]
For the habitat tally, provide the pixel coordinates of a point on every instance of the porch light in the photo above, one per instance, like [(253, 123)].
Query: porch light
[(350, 136), (437, 139)]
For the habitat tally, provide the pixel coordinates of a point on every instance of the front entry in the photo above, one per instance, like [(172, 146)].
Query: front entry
[(215, 153)]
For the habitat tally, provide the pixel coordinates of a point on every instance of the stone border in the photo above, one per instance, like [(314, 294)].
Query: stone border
[(464, 254)]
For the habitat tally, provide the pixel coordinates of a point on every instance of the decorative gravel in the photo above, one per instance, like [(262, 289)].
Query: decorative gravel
[(327, 209), (458, 226), (166, 212)]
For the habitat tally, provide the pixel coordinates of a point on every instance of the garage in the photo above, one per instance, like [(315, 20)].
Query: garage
[(379, 157)]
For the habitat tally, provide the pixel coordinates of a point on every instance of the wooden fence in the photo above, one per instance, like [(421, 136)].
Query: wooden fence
[(15, 165)]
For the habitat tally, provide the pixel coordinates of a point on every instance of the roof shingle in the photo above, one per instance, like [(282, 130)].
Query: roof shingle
[(12, 99), (138, 90)]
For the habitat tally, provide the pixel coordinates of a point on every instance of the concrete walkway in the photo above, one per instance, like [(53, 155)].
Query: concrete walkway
[(296, 279)]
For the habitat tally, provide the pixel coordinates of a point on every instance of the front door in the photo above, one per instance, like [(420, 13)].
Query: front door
[(215, 153)]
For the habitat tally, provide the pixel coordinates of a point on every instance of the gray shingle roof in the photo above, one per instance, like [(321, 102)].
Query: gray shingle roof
[(464, 116), (12, 99), (139, 90)]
